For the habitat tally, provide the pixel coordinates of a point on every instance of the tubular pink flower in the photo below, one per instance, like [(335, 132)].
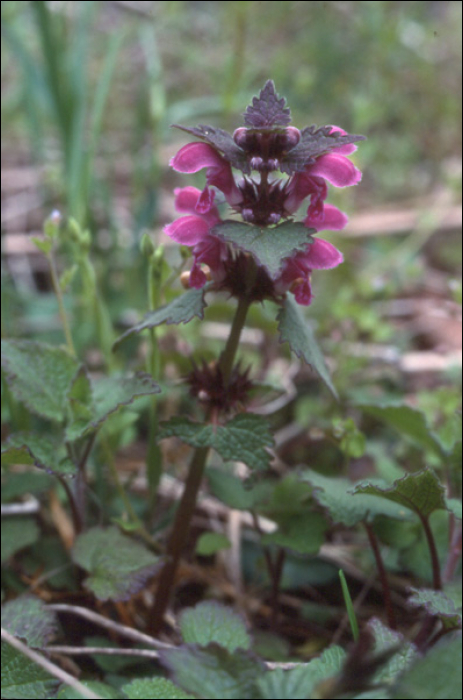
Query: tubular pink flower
[(335, 168), (188, 230), (195, 156), (303, 185), (345, 150), (190, 200), (333, 219), (296, 273)]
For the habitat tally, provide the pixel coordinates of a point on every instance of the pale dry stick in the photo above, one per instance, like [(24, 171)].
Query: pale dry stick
[(107, 651), (48, 666), (98, 619)]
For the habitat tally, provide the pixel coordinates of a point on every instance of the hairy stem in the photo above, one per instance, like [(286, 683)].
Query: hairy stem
[(382, 576), (436, 575), (187, 503)]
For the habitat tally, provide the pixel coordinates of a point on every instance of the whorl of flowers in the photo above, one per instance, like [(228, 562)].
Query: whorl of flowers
[(262, 252)]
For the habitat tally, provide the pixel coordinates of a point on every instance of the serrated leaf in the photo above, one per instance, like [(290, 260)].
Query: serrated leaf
[(295, 330), (242, 439), (39, 450), (30, 619), (210, 622), (118, 566), (421, 492), (22, 679), (210, 543), (270, 246), (267, 110), (214, 672), (103, 690), (436, 603), (409, 422), (384, 640), (17, 533), (300, 682), (436, 676), (154, 689), (222, 141), (108, 395), (303, 533), (39, 375), (335, 494), (314, 143), (182, 310)]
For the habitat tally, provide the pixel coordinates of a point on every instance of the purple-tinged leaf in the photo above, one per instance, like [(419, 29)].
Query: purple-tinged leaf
[(385, 639), (118, 565), (222, 141), (268, 110), (243, 439), (437, 603), (214, 672), (30, 619), (314, 143), (211, 622), (335, 494), (108, 395), (181, 310), (421, 492), (269, 246), (295, 330), (39, 375), (42, 451)]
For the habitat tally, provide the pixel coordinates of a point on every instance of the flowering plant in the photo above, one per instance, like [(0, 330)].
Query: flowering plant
[(266, 246), (264, 254)]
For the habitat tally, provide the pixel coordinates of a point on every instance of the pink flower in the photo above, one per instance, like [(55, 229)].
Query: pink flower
[(195, 156), (194, 231), (295, 276)]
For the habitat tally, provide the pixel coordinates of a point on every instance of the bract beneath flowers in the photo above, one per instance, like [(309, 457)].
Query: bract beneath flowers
[(281, 169)]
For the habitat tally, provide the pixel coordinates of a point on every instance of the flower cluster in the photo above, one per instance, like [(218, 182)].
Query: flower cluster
[(308, 159)]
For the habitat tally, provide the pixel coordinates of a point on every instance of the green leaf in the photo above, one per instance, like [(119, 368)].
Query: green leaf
[(119, 566), (435, 676), (336, 496), (102, 689), (421, 492), (270, 246), (17, 533), (409, 422), (210, 622), (106, 396), (384, 640), (455, 507), (304, 533), (230, 489), (154, 689), (210, 543), (437, 603), (39, 375), (24, 679), (40, 450), (182, 310), (300, 682), (214, 672), (243, 439), (295, 330), (30, 619)]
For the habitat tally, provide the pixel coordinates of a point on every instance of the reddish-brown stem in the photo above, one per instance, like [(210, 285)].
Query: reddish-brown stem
[(436, 575), (454, 554), (276, 579), (382, 576), (178, 537)]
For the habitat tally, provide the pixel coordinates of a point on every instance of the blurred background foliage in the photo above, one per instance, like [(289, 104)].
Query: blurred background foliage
[(89, 91)]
